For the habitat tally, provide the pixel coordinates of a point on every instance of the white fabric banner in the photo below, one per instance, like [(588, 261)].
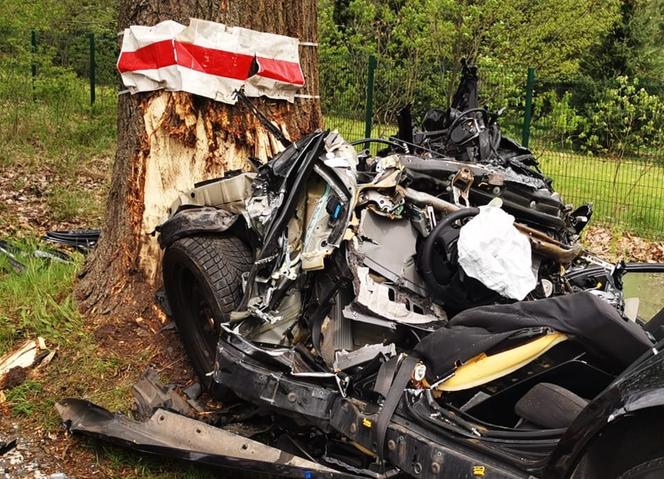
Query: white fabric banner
[(210, 59)]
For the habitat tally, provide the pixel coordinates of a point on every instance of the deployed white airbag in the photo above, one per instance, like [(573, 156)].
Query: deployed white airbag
[(494, 252)]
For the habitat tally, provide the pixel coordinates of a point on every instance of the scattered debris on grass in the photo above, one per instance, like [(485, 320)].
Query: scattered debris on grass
[(15, 366), (151, 394)]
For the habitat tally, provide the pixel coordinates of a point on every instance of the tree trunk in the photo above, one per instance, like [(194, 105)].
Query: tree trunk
[(169, 141)]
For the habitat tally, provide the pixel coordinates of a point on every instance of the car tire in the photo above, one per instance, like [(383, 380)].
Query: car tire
[(203, 284), (651, 469)]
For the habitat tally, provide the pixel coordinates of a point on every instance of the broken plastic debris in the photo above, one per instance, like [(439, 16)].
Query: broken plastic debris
[(25, 356), (494, 252), (151, 394)]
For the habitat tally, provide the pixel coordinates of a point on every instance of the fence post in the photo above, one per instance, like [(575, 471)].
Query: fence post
[(527, 115), (93, 68), (33, 42), (368, 116)]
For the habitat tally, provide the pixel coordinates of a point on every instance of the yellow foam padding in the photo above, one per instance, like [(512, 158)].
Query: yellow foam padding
[(483, 369)]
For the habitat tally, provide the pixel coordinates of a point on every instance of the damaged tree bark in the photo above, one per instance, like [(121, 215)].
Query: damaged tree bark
[(169, 141)]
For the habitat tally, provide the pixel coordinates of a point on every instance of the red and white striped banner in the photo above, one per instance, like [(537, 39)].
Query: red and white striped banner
[(211, 60)]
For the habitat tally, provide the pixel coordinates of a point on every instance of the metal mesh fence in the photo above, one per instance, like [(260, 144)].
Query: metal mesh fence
[(604, 148), (621, 170), (46, 101), (61, 67)]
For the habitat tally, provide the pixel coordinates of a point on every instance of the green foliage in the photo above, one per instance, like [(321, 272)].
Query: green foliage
[(646, 27), (614, 117), (48, 117), (419, 45), (59, 126), (623, 117), (550, 35), (59, 15), (408, 42), (633, 47), (557, 119)]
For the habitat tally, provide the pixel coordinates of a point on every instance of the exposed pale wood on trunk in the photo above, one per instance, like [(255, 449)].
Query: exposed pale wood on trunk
[(169, 141)]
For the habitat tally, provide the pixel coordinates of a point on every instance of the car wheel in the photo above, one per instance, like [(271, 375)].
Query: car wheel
[(652, 469), (203, 283)]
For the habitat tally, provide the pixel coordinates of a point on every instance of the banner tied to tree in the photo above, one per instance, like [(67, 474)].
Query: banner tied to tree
[(210, 59)]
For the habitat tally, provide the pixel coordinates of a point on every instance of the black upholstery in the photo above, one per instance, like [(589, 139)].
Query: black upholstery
[(550, 406), (593, 322)]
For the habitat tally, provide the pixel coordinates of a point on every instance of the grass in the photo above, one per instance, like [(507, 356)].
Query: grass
[(626, 193), (72, 203), (53, 123), (135, 465), (60, 141), (55, 152), (23, 398), (38, 302)]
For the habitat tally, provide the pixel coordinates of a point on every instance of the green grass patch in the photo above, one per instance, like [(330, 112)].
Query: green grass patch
[(625, 194), (66, 204), (23, 398), (56, 126), (136, 465), (38, 301)]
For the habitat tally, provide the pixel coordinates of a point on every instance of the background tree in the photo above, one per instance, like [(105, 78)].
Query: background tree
[(419, 45), (633, 47), (169, 141), (548, 34)]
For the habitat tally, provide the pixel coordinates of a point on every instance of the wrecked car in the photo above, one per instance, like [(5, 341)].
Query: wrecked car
[(427, 311)]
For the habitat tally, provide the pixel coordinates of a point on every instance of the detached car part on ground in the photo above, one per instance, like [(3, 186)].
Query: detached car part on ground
[(402, 329)]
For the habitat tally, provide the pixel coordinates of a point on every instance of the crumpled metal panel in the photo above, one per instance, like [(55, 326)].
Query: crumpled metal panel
[(227, 193), (173, 435), (194, 221), (376, 297), (389, 249)]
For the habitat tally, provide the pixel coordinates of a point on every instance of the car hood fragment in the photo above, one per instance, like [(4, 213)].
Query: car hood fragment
[(172, 435)]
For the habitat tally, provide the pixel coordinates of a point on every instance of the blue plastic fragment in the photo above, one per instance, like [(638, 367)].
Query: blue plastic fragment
[(337, 211)]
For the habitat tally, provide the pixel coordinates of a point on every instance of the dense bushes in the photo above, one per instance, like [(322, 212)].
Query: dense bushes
[(614, 117)]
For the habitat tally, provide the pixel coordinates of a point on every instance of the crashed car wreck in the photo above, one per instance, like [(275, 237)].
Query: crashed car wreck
[(426, 310)]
